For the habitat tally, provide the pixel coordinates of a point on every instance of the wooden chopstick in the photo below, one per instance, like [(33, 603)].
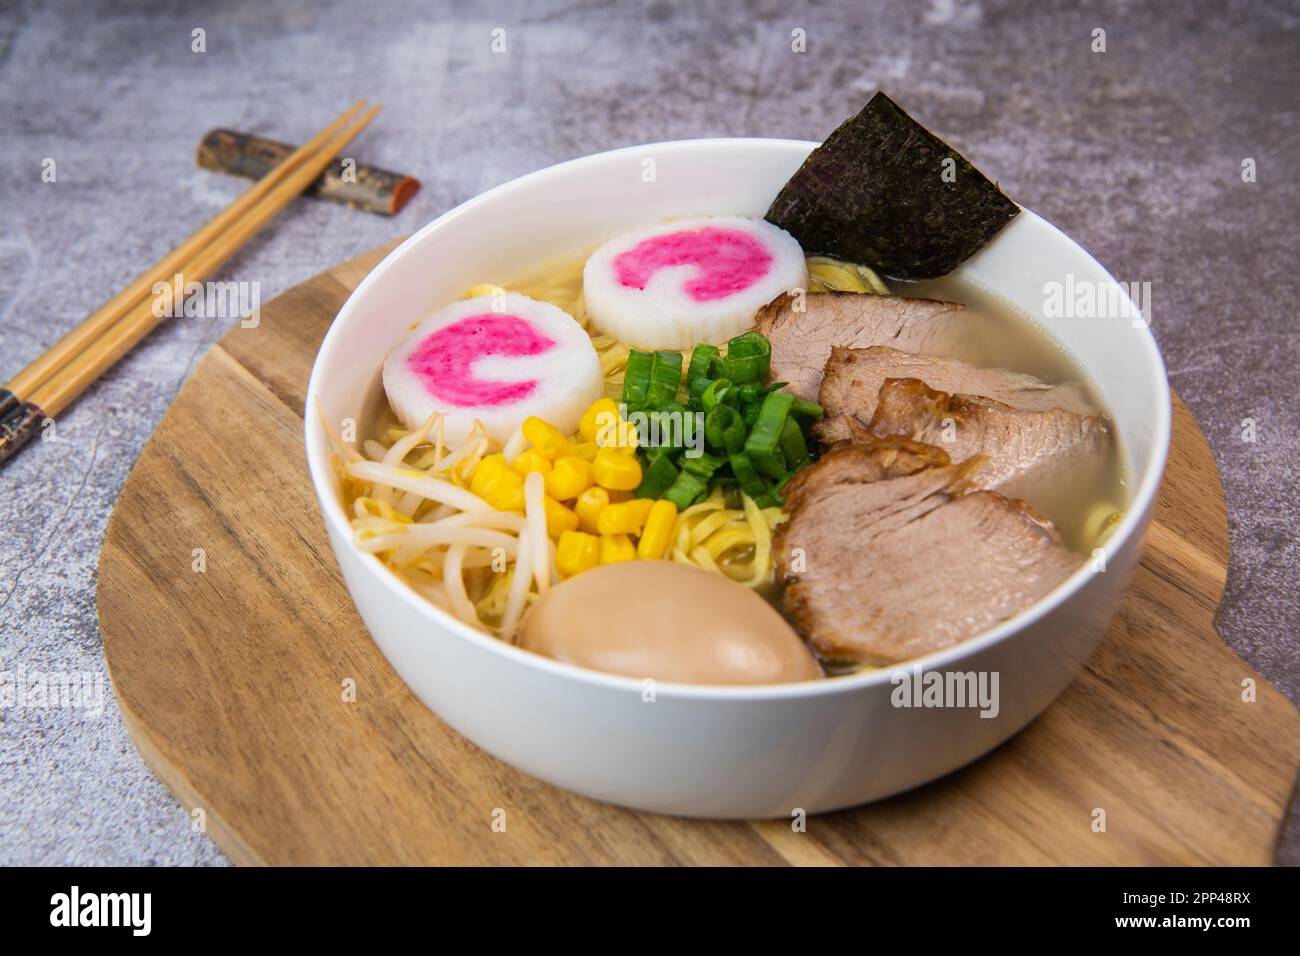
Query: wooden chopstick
[(101, 355), (115, 339), (54, 358)]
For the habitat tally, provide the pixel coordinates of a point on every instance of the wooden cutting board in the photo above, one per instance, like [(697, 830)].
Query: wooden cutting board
[(230, 680)]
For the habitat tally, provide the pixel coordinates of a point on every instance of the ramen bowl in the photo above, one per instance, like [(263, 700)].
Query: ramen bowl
[(733, 751)]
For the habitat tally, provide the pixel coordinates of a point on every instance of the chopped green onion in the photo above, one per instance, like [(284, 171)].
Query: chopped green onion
[(763, 446), (761, 430), (751, 482), (715, 394), (665, 376), (749, 358), (793, 448), (810, 409), (636, 380), (749, 393), (686, 490), (703, 464), (698, 374), (658, 476), (725, 430)]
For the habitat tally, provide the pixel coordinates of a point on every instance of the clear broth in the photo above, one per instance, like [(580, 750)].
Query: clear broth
[(993, 333)]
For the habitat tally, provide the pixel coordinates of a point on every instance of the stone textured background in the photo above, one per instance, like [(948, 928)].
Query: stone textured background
[(1136, 152)]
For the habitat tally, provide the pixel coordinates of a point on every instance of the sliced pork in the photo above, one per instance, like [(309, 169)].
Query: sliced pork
[(1024, 447), (854, 376), (887, 554), (802, 340)]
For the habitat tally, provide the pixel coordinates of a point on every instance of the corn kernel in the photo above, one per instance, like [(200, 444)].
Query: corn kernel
[(531, 460), (569, 478), (602, 414), (615, 470), (586, 450), (576, 552), (505, 497), (658, 529), (627, 517), (544, 436), (616, 547), (589, 506), (625, 439), (559, 519), (498, 484), (485, 472)]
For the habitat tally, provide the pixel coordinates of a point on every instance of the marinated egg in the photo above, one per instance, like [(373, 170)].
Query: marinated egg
[(669, 622)]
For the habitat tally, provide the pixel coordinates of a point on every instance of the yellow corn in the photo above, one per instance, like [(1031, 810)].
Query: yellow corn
[(658, 529), (576, 552), (559, 519), (545, 437), (498, 484), (625, 439), (531, 460), (628, 517), (589, 506), (586, 450), (615, 470), (569, 478), (487, 470), (616, 547), (505, 497), (602, 414)]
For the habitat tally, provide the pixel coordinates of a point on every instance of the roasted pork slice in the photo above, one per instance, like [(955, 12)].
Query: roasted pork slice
[(869, 459), (888, 554), (1024, 447), (804, 328), (853, 378)]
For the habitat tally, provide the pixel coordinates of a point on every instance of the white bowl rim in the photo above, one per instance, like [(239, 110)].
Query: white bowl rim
[(318, 457)]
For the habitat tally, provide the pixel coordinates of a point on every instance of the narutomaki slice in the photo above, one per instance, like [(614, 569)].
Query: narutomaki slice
[(680, 283), (497, 359)]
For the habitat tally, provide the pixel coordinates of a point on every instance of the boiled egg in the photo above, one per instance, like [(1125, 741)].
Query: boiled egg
[(666, 622)]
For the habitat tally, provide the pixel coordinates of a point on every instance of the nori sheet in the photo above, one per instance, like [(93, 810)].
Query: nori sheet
[(874, 194)]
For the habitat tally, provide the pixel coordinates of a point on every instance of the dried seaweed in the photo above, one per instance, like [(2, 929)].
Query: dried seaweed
[(886, 192)]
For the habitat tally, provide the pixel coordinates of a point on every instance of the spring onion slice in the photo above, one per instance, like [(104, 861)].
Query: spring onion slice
[(665, 376), (698, 373), (749, 358), (725, 430), (658, 477), (793, 447), (636, 379), (763, 444)]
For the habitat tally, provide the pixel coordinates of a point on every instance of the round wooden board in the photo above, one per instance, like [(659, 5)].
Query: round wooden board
[(231, 683)]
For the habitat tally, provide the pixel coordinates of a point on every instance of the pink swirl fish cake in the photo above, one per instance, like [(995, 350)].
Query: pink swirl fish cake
[(690, 280), (497, 359)]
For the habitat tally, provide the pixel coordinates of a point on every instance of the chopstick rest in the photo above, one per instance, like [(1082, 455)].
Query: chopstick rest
[(359, 185)]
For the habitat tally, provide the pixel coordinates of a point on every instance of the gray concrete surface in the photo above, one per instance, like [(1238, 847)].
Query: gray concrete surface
[(1136, 152)]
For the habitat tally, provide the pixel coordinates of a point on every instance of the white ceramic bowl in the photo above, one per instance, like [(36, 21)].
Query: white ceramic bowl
[(702, 750)]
